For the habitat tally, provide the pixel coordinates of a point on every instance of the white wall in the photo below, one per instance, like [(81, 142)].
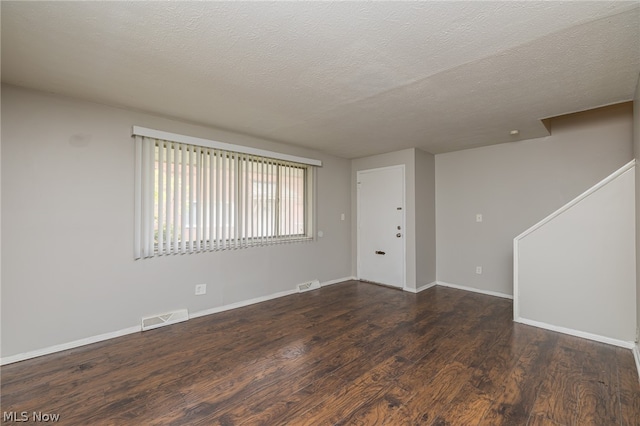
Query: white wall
[(407, 158), (514, 186), (636, 150), (67, 219), (578, 270), (0, 229), (420, 227), (425, 187)]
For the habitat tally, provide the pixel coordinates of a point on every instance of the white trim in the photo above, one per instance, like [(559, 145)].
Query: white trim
[(516, 241), (377, 169), (166, 319), (421, 288), (402, 167), (475, 290), (190, 140), (577, 333), (516, 274), (579, 198), (636, 356), (337, 281), (69, 345), (243, 303), (260, 299), (130, 330)]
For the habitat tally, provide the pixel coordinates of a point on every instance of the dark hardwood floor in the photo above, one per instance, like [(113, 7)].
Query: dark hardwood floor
[(351, 353)]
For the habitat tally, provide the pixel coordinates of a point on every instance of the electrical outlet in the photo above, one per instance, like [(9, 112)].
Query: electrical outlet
[(479, 270), (201, 289), (479, 217)]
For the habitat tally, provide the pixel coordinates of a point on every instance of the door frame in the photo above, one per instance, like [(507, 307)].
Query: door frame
[(404, 217)]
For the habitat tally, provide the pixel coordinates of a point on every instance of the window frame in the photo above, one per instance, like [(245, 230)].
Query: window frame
[(148, 144)]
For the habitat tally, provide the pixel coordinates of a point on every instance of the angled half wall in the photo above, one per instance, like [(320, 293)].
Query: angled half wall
[(575, 272)]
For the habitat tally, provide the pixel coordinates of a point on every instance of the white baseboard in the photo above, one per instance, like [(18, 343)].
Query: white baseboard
[(260, 299), (70, 345), (130, 330), (475, 290), (337, 281), (421, 288), (577, 333), (242, 303), (636, 356)]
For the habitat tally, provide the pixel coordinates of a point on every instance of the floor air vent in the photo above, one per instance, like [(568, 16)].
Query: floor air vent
[(156, 321), (308, 286)]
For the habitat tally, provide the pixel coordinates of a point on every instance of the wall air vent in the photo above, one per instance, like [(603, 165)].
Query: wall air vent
[(149, 323), (308, 286)]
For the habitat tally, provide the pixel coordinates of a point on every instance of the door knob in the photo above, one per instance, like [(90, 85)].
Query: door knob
[(398, 235)]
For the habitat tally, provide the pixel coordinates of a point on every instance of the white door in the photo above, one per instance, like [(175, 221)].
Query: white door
[(381, 225)]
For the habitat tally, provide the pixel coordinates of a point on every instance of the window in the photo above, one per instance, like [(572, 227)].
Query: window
[(191, 197)]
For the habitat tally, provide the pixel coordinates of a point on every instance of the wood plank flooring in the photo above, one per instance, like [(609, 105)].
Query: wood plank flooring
[(347, 354)]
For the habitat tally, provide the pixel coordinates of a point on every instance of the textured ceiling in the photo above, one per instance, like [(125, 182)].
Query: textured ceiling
[(347, 78)]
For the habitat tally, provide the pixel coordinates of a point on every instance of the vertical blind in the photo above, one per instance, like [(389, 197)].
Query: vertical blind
[(192, 198)]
